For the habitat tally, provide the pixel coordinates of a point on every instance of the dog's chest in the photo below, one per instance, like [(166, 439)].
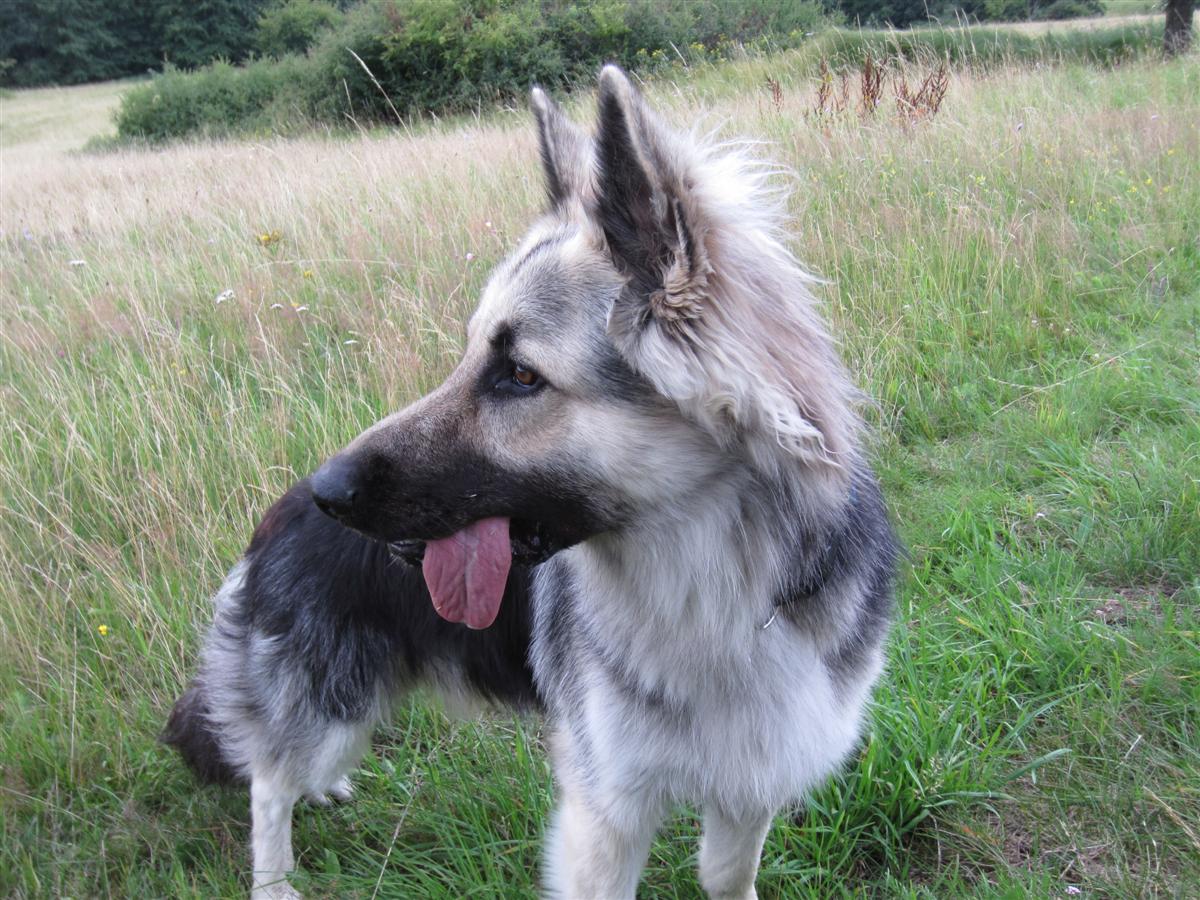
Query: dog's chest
[(759, 732), (699, 694)]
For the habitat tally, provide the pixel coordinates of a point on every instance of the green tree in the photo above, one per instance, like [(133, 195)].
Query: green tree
[(195, 32), (57, 41), (292, 26), (73, 41), (897, 13)]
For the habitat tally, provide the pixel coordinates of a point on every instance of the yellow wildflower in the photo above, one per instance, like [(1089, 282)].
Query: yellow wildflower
[(103, 629)]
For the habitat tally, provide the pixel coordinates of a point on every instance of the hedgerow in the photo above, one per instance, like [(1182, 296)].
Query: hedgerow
[(387, 57)]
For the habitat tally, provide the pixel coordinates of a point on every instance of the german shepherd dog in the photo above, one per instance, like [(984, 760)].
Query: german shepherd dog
[(639, 504)]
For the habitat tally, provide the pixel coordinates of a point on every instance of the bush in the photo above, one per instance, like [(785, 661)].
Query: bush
[(446, 55), (292, 26), (215, 101)]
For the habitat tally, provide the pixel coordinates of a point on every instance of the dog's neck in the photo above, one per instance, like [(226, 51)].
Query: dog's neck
[(713, 554)]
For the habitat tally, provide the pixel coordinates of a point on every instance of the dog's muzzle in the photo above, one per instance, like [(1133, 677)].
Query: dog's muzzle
[(343, 489)]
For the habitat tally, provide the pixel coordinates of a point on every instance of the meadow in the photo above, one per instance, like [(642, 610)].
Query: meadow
[(186, 330)]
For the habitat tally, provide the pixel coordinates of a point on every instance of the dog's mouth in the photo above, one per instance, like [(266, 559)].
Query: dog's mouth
[(532, 543), (466, 572)]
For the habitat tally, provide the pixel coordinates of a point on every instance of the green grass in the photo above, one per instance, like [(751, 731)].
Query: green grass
[(1017, 282), (58, 119)]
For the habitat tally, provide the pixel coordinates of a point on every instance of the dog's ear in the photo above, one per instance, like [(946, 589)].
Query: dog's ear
[(715, 312), (645, 207), (566, 156)]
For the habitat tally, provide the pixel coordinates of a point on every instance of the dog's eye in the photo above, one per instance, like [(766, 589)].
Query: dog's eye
[(516, 380), (525, 377)]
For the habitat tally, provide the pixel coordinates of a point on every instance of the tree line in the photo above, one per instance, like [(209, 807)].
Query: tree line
[(77, 41)]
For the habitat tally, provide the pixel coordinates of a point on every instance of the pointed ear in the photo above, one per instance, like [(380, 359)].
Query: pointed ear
[(645, 204), (565, 150)]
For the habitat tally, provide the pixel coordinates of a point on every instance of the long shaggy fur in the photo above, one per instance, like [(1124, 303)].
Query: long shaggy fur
[(652, 407)]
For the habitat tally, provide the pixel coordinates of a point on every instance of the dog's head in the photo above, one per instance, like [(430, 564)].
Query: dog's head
[(650, 332)]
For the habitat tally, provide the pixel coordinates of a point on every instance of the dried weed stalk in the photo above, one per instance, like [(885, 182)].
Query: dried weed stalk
[(923, 103), (776, 93), (912, 105)]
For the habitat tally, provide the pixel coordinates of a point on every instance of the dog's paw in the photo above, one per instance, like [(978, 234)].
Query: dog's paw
[(276, 890), (342, 790)]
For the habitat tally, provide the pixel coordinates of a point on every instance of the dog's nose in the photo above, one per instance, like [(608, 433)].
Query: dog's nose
[(335, 486)]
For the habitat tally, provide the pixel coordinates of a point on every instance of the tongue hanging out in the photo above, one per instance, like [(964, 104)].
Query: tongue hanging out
[(466, 572)]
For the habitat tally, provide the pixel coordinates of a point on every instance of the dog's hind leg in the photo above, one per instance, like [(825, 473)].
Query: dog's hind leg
[(271, 800), (594, 854), (729, 854), (308, 769)]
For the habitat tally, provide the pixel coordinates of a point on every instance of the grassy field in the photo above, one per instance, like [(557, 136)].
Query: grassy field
[(185, 331), (52, 121)]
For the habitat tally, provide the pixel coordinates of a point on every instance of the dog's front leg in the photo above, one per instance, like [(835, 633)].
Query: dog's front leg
[(271, 802), (729, 853), (596, 851)]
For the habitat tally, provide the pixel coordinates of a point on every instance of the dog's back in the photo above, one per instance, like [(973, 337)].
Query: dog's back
[(319, 626)]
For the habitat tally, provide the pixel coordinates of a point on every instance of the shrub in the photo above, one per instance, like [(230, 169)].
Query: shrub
[(213, 101), (444, 55), (395, 57)]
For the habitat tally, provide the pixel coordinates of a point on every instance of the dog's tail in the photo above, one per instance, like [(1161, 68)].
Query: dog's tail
[(190, 731)]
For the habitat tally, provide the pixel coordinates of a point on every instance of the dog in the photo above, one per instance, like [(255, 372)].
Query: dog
[(639, 505)]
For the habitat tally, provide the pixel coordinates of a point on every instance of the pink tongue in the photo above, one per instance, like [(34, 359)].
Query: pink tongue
[(466, 572)]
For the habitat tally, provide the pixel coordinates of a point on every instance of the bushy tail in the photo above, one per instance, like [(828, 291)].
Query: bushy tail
[(190, 731)]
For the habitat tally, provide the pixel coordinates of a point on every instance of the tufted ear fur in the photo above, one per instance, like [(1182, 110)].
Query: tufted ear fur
[(565, 150), (645, 206), (715, 313)]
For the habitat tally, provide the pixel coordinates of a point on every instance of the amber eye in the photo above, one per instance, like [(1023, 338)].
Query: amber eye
[(524, 377)]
